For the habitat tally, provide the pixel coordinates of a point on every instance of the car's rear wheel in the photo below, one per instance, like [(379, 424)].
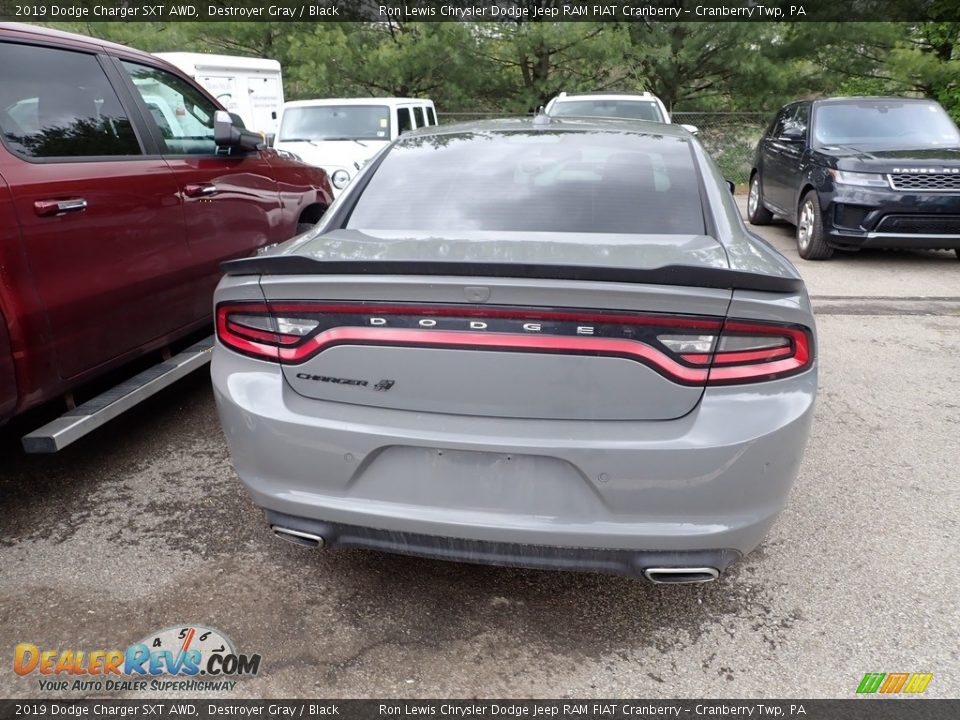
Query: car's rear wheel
[(810, 241), (757, 214)]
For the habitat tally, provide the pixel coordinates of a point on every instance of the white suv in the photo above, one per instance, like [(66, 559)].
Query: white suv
[(644, 106), (341, 134)]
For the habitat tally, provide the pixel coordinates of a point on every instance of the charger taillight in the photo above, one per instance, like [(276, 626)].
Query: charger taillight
[(753, 351), (685, 349), (253, 329)]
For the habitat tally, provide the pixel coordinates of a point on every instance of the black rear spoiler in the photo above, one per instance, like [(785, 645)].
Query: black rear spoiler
[(683, 275)]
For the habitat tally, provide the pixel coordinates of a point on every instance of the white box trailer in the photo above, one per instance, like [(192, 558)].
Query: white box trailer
[(250, 87)]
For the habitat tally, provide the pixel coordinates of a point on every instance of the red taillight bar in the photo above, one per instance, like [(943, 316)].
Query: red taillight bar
[(613, 347), (712, 369), (732, 358), (262, 335), (799, 359)]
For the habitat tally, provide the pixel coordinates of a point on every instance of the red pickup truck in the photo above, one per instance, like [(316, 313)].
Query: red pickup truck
[(123, 186)]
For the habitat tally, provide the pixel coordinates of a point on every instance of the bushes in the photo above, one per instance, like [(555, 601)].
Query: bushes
[(730, 138)]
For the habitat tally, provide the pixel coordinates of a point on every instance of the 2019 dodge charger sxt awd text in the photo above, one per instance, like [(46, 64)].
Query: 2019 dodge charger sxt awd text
[(559, 348), (855, 173)]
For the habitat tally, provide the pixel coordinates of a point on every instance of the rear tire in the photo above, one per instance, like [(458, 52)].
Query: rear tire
[(810, 241), (757, 214)]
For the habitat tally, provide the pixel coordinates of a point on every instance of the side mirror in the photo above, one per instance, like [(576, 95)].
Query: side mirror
[(227, 134), (732, 187), (692, 129), (791, 135)]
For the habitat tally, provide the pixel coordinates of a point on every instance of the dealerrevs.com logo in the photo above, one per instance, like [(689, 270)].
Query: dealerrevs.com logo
[(184, 657)]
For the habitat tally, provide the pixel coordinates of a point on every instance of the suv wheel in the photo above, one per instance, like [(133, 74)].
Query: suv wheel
[(757, 214), (810, 241)]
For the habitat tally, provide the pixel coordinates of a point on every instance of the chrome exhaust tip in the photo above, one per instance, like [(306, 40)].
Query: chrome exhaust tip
[(298, 537), (676, 575)]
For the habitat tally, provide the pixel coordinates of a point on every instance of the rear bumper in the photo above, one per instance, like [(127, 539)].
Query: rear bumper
[(485, 552), (715, 479)]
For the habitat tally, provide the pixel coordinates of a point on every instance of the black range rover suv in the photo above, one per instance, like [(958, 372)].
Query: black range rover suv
[(860, 172)]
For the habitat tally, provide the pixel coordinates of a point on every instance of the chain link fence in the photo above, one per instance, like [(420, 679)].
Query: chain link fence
[(448, 118), (729, 137)]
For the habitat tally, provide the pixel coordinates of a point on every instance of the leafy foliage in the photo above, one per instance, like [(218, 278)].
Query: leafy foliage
[(516, 66)]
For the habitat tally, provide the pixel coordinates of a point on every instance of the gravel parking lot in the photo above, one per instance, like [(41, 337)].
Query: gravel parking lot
[(144, 526)]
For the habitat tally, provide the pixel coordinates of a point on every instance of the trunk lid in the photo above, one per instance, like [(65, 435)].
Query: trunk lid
[(526, 325)]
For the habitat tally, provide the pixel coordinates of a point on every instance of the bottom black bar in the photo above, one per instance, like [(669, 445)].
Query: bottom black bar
[(861, 708), (625, 562)]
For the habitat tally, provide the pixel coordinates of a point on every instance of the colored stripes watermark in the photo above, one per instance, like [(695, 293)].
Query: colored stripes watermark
[(891, 683)]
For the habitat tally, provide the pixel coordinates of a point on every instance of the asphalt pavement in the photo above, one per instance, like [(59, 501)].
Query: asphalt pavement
[(144, 526)]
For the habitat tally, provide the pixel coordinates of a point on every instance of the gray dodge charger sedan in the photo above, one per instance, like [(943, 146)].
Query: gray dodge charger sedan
[(542, 343)]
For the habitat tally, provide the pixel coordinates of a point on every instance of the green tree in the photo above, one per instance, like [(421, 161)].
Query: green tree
[(398, 58), (928, 60), (709, 65), (517, 66), (888, 58), (146, 36), (538, 60)]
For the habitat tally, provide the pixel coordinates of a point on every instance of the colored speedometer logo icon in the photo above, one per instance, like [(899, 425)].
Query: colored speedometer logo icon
[(183, 638)]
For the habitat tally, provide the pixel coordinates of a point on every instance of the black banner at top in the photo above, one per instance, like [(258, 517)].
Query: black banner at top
[(515, 11), (570, 709)]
